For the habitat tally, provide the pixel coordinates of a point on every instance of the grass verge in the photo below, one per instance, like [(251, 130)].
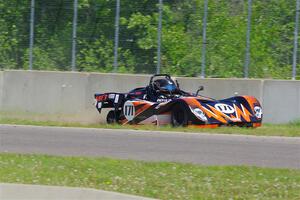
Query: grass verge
[(291, 129), (161, 180)]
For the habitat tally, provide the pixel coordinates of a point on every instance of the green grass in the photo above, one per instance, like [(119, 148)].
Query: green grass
[(291, 129), (161, 180)]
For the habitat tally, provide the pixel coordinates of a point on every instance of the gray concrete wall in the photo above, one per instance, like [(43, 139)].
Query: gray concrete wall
[(44, 95), (281, 101), (223, 88), (68, 96), (60, 96)]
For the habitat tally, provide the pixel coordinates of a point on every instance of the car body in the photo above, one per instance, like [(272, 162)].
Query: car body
[(163, 102)]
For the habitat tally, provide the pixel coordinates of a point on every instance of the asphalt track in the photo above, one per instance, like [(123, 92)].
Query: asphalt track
[(204, 149)]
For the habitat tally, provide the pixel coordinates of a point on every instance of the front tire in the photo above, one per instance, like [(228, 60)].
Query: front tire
[(179, 116)]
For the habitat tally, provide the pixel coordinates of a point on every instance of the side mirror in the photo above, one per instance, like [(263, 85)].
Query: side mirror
[(201, 88), (177, 83)]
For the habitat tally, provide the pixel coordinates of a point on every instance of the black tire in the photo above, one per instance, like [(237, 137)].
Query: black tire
[(179, 116), (111, 118)]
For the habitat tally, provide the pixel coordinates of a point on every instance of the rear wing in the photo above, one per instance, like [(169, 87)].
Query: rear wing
[(109, 100)]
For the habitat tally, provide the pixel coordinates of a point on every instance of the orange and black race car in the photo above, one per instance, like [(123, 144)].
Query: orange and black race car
[(163, 102)]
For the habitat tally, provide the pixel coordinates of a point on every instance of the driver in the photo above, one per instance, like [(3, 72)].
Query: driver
[(162, 90), (164, 86)]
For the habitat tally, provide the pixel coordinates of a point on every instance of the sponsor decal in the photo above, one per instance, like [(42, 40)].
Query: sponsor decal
[(129, 110), (224, 108), (111, 96), (162, 100)]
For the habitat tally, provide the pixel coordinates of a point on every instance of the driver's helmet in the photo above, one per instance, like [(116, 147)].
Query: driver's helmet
[(165, 85)]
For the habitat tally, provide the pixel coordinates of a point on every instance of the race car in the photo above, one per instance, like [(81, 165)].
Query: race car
[(163, 102)]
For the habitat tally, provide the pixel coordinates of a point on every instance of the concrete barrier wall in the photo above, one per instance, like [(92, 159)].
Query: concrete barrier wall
[(43, 95), (281, 101), (60, 96), (68, 96), (223, 88)]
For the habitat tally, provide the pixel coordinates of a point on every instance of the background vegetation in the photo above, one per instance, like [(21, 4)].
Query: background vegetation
[(271, 37)]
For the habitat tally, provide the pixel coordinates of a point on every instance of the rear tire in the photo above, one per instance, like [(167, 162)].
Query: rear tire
[(111, 117), (179, 116)]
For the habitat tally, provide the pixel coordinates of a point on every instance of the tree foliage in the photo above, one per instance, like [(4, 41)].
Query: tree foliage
[(271, 36)]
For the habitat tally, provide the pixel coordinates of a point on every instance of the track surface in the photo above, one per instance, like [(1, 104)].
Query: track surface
[(205, 149)]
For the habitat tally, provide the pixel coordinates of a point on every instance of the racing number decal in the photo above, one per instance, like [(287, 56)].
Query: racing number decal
[(224, 108), (129, 110)]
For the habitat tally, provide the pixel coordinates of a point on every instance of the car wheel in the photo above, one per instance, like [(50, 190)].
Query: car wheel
[(111, 117), (179, 116)]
